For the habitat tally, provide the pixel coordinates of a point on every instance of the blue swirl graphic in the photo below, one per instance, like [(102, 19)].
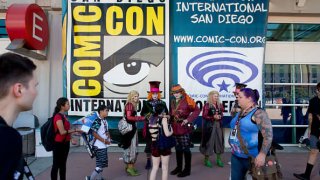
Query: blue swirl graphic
[(201, 69)]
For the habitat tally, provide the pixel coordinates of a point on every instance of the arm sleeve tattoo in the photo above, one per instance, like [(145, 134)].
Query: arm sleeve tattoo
[(265, 127)]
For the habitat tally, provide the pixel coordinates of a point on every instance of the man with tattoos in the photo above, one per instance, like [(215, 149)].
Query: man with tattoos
[(255, 129), (313, 132)]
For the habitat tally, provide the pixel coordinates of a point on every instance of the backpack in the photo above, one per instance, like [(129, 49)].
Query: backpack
[(89, 140), (48, 134)]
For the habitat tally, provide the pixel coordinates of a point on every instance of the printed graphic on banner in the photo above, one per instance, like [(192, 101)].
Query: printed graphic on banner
[(222, 43), (115, 47), (218, 69)]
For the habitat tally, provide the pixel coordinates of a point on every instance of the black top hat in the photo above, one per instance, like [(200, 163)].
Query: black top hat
[(154, 87)]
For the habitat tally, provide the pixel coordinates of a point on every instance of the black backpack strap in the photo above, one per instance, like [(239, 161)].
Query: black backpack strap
[(63, 120)]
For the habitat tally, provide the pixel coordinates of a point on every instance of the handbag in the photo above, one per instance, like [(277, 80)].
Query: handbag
[(269, 171), (165, 142), (123, 126)]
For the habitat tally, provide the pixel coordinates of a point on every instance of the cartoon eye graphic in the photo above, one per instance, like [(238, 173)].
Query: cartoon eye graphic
[(132, 63), (132, 68), (127, 73)]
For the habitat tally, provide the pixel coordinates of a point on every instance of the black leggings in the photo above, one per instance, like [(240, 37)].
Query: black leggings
[(60, 155)]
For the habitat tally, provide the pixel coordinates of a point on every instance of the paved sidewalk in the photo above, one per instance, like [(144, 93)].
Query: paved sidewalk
[(292, 159)]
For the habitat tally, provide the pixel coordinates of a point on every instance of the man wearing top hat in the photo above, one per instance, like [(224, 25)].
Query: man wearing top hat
[(236, 107), (148, 109)]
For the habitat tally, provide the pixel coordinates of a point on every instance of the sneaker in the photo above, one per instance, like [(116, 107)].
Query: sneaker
[(87, 178), (132, 172), (301, 176)]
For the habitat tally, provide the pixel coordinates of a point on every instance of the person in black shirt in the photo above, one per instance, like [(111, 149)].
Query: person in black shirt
[(17, 93), (314, 134)]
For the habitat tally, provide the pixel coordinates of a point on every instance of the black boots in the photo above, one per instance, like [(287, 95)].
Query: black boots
[(306, 174), (178, 169), (187, 166), (301, 176)]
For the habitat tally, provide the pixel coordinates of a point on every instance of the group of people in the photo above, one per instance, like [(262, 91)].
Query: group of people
[(250, 122), (157, 119), (251, 131)]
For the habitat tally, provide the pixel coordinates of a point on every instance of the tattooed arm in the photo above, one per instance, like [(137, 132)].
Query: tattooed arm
[(264, 124)]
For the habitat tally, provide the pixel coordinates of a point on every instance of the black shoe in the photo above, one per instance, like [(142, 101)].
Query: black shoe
[(175, 171), (184, 173), (301, 176)]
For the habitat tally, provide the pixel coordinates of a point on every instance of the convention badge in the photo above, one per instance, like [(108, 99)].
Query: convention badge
[(233, 133)]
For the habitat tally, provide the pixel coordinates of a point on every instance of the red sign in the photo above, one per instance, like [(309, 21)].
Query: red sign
[(28, 22)]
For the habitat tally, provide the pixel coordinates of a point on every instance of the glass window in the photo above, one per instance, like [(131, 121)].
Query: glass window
[(275, 94), (306, 73), (306, 32), (279, 32), (279, 73), (279, 98), (293, 32), (3, 31), (303, 94), (288, 135)]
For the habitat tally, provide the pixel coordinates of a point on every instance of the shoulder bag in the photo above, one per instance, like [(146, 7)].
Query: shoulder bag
[(123, 126), (269, 171)]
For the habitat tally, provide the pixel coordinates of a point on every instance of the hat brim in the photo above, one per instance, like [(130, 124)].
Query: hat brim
[(177, 91), (154, 91)]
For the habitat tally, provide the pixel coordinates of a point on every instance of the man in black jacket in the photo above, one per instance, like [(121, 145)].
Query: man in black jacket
[(17, 93), (314, 134)]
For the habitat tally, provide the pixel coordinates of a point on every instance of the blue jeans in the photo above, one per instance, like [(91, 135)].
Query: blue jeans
[(239, 167)]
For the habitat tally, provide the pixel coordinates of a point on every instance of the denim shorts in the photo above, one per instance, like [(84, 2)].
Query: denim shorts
[(313, 142)]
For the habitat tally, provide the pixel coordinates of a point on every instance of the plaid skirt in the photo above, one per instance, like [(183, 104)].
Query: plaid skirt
[(101, 157), (183, 142)]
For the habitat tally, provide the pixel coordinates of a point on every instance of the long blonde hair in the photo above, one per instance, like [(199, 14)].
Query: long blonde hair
[(130, 96), (209, 100)]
